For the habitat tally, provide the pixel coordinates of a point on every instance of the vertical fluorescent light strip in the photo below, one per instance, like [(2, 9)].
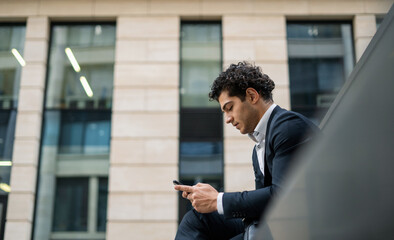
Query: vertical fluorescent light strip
[(18, 57), (86, 86), (72, 59)]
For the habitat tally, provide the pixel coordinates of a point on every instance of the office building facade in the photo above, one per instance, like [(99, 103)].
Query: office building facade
[(104, 102)]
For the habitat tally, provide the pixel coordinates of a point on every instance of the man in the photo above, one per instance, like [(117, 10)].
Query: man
[(245, 96)]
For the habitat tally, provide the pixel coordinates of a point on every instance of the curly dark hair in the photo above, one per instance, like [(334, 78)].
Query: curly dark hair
[(238, 77)]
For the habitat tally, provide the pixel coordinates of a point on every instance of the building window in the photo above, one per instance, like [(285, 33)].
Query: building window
[(379, 20), (320, 59), (201, 127), (74, 160), (12, 41)]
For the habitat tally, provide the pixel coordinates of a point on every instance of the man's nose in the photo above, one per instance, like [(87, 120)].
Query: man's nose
[(228, 119)]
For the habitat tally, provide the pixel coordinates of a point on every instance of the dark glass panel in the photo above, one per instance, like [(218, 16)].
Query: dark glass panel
[(71, 204), (102, 205)]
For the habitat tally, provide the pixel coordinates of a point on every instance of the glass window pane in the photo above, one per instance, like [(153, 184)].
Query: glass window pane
[(200, 62), (84, 132), (102, 205), (12, 40), (71, 204), (81, 67), (320, 59)]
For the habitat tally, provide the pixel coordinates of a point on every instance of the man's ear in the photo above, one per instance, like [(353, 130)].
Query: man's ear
[(252, 95)]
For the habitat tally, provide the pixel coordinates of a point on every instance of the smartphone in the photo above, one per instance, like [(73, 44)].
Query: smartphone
[(175, 182)]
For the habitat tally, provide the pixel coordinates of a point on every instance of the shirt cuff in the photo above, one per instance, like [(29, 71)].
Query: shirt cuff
[(219, 203)]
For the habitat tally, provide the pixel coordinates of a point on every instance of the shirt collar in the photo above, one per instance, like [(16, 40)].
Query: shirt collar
[(258, 134)]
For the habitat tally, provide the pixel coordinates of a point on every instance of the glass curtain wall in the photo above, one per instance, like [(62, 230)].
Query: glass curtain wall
[(321, 57), (12, 41), (201, 127), (74, 159)]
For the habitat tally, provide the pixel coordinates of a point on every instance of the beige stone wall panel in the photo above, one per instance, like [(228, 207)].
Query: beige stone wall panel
[(238, 50), (377, 7), (31, 99), (129, 99), (360, 45), (217, 7), (127, 151), (150, 178), (239, 177), (142, 230), (33, 75), (18, 230), (26, 151), (18, 8), (175, 7), (238, 150), (147, 74), (66, 8), (150, 100), (35, 51), (159, 100), (159, 206), (120, 7), (23, 179), (271, 50), (20, 207), (125, 207), (242, 27), (24, 123), (35, 29), (281, 7), (144, 125), (336, 7), (147, 50), (138, 151), (364, 26), (148, 27), (281, 96)]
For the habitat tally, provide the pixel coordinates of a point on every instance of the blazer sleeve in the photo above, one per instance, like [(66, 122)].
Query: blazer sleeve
[(286, 136)]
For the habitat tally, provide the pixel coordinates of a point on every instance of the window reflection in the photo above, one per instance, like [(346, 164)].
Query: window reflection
[(320, 59), (201, 130), (76, 133), (12, 40), (201, 62), (85, 132)]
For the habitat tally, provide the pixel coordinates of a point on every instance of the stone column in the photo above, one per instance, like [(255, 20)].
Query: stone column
[(144, 148), (28, 131), (364, 30), (261, 40)]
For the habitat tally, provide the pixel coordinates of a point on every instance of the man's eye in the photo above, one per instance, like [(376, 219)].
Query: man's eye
[(229, 109)]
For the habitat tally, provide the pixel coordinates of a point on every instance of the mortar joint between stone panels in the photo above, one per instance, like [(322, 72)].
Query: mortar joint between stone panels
[(21, 191), (19, 220), (144, 87), (145, 62), (141, 220), (143, 164), (254, 38), (144, 112), (23, 164), (142, 193), (170, 191), (27, 138), (145, 38)]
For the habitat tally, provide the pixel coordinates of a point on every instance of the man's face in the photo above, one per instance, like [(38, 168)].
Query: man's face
[(241, 114)]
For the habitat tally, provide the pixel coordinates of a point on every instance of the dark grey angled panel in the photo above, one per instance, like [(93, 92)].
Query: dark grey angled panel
[(344, 186)]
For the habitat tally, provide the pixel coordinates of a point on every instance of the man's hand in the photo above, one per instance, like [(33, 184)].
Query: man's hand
[(202, 196)]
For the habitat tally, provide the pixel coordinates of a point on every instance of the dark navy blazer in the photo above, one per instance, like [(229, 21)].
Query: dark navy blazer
[(286, 132)]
